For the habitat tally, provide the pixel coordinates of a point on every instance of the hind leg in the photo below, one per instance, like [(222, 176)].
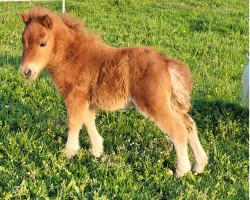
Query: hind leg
[(178, 134), (200, 156), (170, 123)]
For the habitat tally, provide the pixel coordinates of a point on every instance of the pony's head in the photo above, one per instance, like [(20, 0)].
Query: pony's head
[(38, 42)]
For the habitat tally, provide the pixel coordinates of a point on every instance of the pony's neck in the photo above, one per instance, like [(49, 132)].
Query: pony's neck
[(69, 43)]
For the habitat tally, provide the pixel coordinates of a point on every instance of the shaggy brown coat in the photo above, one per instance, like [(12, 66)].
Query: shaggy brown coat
[(92, 75)]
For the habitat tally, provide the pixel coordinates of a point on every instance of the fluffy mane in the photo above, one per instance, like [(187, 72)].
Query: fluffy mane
[(35, 12), (75, 25)]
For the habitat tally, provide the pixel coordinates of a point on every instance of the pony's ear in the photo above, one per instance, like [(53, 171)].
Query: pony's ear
[(25, 18), (45, 21)]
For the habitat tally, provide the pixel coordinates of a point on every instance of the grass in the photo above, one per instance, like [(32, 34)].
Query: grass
[(210, 36)]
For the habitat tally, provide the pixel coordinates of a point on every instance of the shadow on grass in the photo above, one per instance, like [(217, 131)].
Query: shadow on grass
[(217, 108), (9, 60), (18, 111), (210, 114)]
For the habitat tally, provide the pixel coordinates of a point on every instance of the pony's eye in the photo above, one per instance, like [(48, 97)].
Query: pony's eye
[(43, 44)]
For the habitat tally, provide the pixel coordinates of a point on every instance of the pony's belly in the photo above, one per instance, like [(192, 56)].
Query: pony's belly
[(112, 104)]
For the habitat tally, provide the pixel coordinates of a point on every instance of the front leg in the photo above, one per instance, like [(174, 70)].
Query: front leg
[(95, 139), (75, 120), (80, 113), (76, 106), (72, 144)]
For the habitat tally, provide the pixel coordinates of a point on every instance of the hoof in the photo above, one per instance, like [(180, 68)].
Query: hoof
[(182, 172), (97, 147), (97, 151), (199, 168), (71, 152), (179, 173)]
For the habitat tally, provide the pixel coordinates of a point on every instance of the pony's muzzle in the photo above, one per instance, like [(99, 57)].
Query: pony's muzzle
[(27, 73)]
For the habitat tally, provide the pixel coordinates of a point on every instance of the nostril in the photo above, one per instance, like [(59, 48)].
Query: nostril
[(27, 72)]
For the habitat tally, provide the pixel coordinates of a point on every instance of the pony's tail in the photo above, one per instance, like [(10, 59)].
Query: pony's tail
[(181, 85)]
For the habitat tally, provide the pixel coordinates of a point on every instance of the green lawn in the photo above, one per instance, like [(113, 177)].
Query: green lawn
[(211, 36)]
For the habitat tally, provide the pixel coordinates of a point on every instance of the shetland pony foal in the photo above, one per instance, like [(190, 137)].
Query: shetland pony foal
[(91, 75)]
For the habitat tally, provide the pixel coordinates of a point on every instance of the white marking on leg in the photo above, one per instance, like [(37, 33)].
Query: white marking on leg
[(183, 163), (200, 156), (72, 144), (96, 140)]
